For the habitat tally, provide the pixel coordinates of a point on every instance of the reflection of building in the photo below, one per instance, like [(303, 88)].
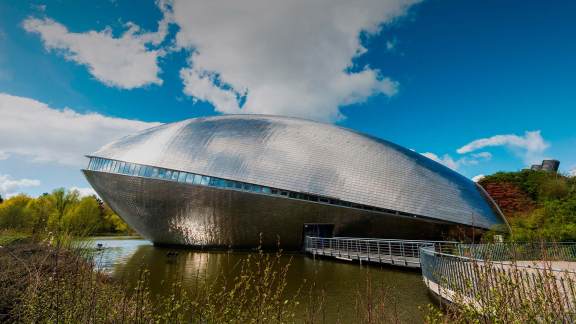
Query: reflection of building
[(220, 181), (547, 165)]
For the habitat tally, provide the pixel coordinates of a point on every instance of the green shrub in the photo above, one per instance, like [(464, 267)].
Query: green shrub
[(60, 211)]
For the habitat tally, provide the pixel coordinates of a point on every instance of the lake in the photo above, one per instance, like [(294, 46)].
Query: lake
[(125, 258)]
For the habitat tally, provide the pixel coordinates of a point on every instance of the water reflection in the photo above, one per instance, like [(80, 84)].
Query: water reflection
[(340, 282)]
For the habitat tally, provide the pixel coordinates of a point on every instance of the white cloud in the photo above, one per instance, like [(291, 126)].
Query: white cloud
[(4, 155), (125, 62), (455, 164), (529, 147), (35, 130), (478, 177), (10, 187), (483, 155), (572, 172), (282, 57), (446, 160), (85, 192)]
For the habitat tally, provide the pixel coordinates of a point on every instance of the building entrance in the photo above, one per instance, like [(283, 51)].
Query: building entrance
[(318, 230)]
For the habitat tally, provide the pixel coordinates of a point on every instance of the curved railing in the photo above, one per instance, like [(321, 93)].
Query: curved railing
[(536, 251), (478, 274)]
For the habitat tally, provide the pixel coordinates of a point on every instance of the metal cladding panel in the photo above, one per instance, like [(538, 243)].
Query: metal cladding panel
[(167, 212), (309, 157)]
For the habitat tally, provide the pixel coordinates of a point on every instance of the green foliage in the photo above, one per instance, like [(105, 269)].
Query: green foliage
[(61, 211), (13, 213), (554, 219), (514, 291), (10, 236), (537, 184), (82, 217), (51, 284), (552, 189), (40, 209)]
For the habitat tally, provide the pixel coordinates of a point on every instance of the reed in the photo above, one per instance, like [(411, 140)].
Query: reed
[(512, 291), (54, 280)]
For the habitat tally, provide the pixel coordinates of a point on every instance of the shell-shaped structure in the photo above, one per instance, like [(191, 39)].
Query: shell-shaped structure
[(214, 167)]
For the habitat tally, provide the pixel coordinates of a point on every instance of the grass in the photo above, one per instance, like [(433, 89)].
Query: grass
[(8, 237), (487, 291), (51, 280)]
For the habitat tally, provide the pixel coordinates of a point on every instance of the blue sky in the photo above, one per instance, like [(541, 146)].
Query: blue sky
[(481, 86)]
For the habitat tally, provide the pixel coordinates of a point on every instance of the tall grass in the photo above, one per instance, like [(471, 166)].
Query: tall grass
[(513, 291), (56, 280)]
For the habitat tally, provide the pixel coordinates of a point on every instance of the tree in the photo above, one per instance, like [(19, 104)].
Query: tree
[(13, 214), (62, 201), (83, 218), (1, 200), (40, 210)]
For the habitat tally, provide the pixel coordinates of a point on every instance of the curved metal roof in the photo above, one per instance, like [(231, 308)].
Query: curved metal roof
[(310, 157)]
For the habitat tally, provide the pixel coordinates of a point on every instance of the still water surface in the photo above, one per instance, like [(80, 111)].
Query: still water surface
[(124, 258)]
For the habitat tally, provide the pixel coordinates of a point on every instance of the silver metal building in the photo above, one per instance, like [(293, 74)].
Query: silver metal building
[(235, 180)]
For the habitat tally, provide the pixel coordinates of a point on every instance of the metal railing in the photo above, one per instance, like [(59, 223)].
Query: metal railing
[(550, 251), (472, 274), (397, 252)]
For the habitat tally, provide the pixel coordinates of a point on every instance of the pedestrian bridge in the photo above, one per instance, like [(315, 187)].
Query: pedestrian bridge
[(525, 274), (405, 253)]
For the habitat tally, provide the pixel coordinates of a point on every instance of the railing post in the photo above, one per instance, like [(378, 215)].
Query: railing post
[(378, 249), (403, 252)]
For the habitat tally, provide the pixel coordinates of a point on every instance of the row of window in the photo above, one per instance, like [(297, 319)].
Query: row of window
[(133, 169)]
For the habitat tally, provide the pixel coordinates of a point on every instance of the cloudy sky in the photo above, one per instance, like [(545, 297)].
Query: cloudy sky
[(478, 85)]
